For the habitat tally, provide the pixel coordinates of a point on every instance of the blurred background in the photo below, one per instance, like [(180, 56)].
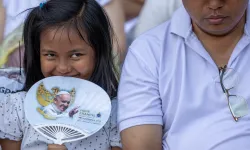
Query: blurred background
[(130, 18)]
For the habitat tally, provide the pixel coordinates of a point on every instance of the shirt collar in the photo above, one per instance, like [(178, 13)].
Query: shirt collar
[(181, 23), (247, 25)]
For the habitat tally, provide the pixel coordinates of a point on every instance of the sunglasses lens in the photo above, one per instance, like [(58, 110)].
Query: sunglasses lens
[(238, 106)]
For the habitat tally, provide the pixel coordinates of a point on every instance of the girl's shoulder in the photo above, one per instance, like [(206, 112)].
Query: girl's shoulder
[(13, 99)]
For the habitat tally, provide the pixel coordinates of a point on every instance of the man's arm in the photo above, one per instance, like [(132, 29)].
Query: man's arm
[(143, 137), (139, 103), (116, 148), (2, 20), (56, 147), (10, 145)]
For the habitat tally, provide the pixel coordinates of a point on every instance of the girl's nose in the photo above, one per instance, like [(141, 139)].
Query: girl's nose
[(63, 68)]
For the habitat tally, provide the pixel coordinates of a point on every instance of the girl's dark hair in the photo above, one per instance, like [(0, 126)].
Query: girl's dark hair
[(87, 17)]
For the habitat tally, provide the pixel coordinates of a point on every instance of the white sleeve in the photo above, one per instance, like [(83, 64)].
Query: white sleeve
[(115, 139), (153, 14), (12, 116), (103, 2), (139, 101), (5, 3)]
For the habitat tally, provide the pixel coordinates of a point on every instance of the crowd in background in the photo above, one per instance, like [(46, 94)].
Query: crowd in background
[(129, 18)]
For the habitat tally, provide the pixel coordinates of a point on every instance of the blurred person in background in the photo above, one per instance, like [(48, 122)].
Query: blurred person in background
[(2, 18), (12, 17), (132, 9), (154, 13), (115, 12), (142, 15)]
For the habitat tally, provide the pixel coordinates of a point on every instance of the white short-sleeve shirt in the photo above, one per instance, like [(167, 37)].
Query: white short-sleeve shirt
[(14, 126), (169, 79)]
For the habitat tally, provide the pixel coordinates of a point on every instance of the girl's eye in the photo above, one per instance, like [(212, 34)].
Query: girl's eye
[(50, 56), (76, 55)]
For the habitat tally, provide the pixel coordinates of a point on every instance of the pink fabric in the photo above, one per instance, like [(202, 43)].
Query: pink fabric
[(14, 58)]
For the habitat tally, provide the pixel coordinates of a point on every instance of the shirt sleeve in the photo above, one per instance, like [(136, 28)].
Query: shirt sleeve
[(115, 139), (139, 101), (5, 3), (103, 2), (12, 116)]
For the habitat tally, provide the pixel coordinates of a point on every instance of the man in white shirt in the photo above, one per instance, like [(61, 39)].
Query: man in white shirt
[(185, 84), (58, 108)]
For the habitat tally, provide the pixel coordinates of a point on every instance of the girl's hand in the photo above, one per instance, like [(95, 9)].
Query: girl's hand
[(8, 144), (56, 147), (116, 148)]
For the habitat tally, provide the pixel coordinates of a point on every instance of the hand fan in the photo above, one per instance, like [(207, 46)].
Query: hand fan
[(66, 109)]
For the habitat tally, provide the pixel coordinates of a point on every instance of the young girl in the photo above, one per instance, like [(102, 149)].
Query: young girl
[(63, 38)]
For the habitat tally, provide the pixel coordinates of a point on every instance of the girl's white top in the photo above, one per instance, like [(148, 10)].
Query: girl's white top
[(14, 126)]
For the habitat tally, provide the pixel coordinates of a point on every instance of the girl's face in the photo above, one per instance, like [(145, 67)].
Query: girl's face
[(64, 53)]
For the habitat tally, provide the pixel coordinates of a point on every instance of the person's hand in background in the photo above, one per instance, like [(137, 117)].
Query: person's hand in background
[(132, 8)]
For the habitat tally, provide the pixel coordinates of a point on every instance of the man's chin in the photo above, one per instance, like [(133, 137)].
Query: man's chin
[(62, 109), (217, 31)]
